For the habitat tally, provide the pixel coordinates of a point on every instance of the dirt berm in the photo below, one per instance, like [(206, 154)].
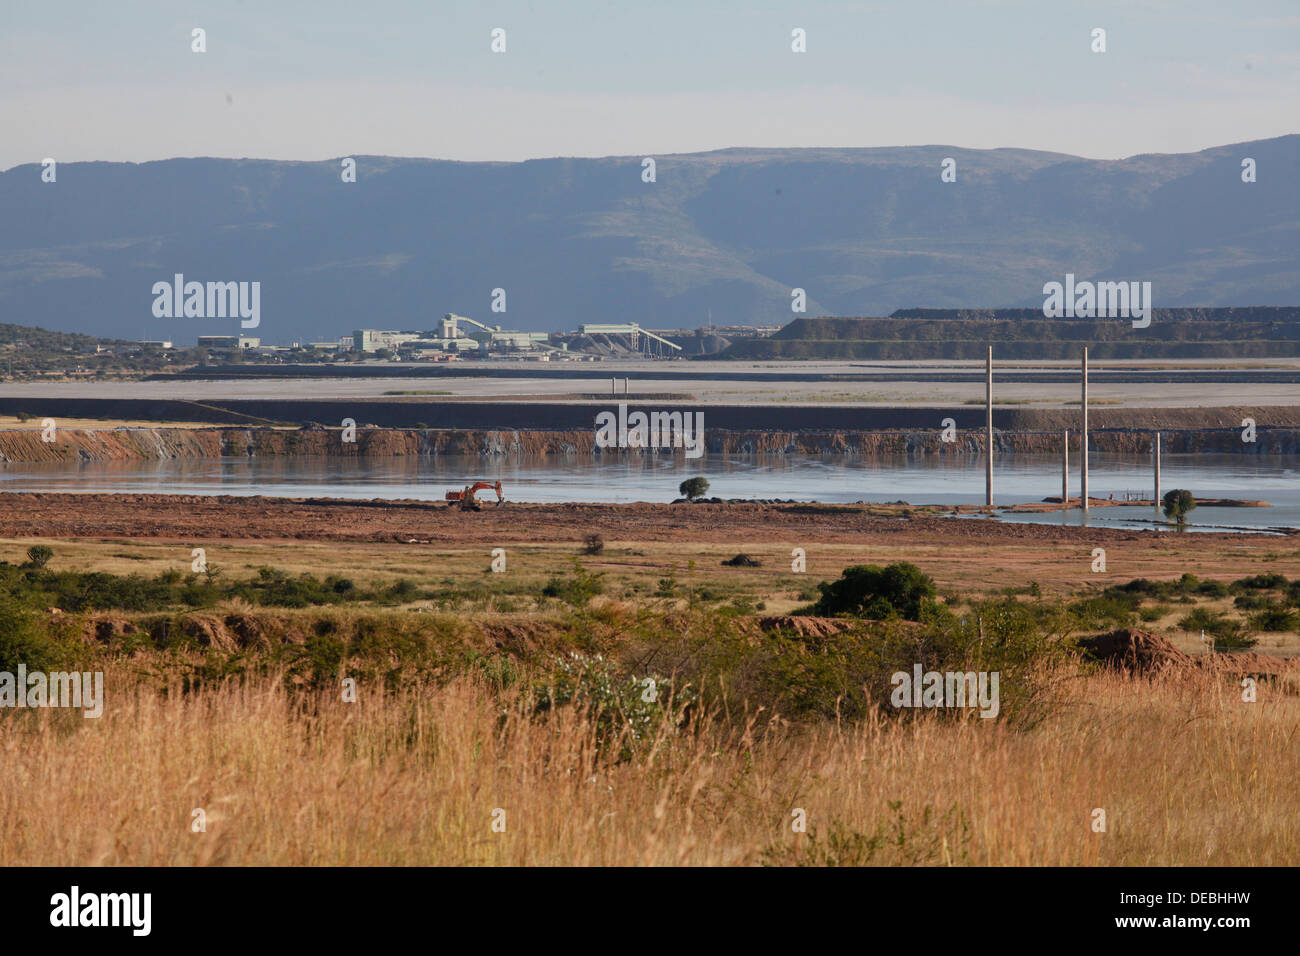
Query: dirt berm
[(1135, 651)]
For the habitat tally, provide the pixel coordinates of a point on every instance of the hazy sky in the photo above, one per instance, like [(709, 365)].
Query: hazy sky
[(314, 79)]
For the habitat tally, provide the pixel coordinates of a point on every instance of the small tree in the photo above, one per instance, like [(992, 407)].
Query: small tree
[(1177, 504), (39, 555), (694, 488)]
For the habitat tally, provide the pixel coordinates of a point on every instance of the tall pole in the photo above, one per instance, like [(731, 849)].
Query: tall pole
[(1156, 450), (1065, 469), (988, 436), (1083, 438)]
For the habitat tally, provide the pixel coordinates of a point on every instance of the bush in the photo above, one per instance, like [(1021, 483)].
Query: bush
[(693, 488), (1228, 635), (1106, 610), (577, 589), (1260, 582), (1275, 619), (39, 555), (868, 590), (1201, 619), (1177, 504), (593, 544), (743, 561), (848, 674), (1188, 584), (25, 640), (403, 591), (628, 710)]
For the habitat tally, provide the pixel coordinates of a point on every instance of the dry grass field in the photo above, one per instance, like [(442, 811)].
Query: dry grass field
[(1185, 772), (455, 766)]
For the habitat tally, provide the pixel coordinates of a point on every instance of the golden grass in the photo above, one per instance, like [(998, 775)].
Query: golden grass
[(1186, 772)]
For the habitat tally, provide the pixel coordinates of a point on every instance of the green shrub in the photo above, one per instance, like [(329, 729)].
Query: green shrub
[(1275, 618), (693, 488), (1201, 619), (38, 555), (1228, 634), (1177, 504), (578, 588), (1185, 586), (628, 709), (1110, 609), (1260, 582), (870, 591), (402, 591), (26, 640)]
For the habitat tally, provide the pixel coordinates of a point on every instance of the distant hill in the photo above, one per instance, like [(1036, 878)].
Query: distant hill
[(43, 340), (1211, 333), (1226, 314), (720, 236)]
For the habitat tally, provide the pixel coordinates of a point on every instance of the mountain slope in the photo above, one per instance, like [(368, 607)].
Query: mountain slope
[(726, 234)]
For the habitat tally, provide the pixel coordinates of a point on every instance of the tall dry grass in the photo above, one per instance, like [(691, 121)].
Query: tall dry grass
[(1186, 772)]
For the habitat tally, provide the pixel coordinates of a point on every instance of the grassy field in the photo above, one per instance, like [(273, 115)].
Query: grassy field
[(637, 571), (450, 775), (500, 718)]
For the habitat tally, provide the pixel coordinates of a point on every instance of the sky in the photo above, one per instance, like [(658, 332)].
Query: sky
[(318, 79)]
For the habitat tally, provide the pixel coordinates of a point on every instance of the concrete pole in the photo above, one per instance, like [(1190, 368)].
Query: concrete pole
[(1156, 450), (988, 436), (1083, 438), (613, 387), (1065, 469), (625, 386)]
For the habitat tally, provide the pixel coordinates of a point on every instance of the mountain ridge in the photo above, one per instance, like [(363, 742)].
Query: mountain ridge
[(724, 235)]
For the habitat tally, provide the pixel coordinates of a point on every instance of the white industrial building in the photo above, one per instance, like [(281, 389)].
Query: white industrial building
[(455, 334), (228, 342), (372, 340)]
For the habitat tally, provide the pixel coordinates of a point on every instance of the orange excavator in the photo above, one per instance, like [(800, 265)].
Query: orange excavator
[(466, 499)]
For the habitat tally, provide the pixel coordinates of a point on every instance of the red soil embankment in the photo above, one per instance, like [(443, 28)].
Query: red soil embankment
[(1032, 435)]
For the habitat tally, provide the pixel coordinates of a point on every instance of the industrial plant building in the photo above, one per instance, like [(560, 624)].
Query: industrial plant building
[(459, 334)]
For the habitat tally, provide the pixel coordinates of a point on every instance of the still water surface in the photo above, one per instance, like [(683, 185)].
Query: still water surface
[(1019, 478)]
